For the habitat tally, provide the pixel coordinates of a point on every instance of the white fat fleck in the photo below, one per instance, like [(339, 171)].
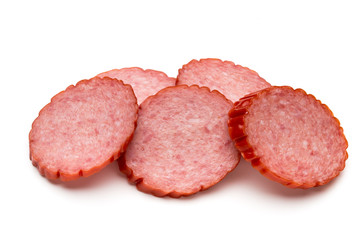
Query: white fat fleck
[(314, 148), (282, 101), (195, 120)]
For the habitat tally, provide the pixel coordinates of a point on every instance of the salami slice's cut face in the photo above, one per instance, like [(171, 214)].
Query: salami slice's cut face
[(181, 144), (83, 128), (234, 81), (144, 82), (290, 135)]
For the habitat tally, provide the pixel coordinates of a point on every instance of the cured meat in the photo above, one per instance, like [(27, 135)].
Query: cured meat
[(144, 82), (234, 81), (83, 128), (181, 144), (289, 136)]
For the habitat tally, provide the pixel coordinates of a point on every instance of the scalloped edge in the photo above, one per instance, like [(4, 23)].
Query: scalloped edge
[(140, 69), (202, 60), (139, 181), (238, 134), (63, 176)]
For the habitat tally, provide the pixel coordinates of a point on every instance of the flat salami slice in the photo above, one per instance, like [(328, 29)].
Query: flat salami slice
[(234, 81), (83, 128), (181, 144), (289, 136), (144, 82)]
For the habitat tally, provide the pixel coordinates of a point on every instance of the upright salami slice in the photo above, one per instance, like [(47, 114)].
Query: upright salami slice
[(234, 81), (289, 136), (144, 82), (181, 144), (83, 128)]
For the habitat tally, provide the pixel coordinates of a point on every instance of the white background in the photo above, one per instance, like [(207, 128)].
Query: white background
[(48, 45)]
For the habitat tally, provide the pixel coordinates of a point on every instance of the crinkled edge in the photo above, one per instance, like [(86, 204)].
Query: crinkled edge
[(194, 61), (164, 75)]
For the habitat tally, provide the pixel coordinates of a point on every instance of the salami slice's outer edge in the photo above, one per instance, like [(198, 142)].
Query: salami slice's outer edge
[(138, 181), (52, 175), (143, 187), (137, 68), (238, 133), (150, 72), (180, 71), (252, 76)]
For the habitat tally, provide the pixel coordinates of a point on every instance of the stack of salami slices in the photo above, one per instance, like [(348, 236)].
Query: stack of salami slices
[(175, 137)]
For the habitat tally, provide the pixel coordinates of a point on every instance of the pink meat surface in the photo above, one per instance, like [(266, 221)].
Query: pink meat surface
[(181, 144), (83, 128), (234, 81), (144, 82), (289, 136)]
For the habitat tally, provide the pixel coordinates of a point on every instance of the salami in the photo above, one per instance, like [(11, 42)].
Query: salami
[(181, 144), (289, 136), (83, 128), (234, 81), (144, 82)]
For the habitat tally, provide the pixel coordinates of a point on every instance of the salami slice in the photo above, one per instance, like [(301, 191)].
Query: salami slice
[(234, 81), (144, 82), (83, 128), (181, 144), (289, 136)]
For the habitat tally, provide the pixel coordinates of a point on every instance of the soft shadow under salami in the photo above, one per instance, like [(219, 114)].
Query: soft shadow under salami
[(243, 176), (246, 175)]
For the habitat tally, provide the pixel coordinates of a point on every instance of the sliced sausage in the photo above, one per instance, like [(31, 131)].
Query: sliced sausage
[(83, 128), (181, 144), (289, 136), (144, 82), (234, 81)]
